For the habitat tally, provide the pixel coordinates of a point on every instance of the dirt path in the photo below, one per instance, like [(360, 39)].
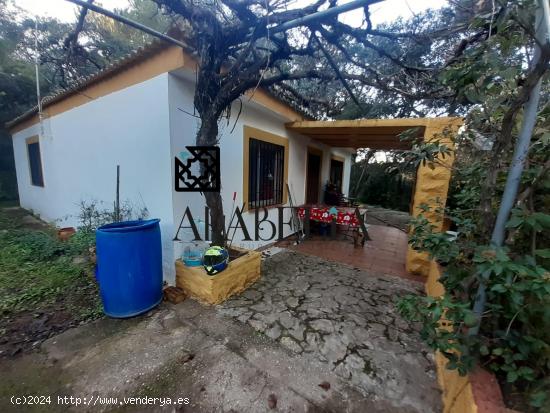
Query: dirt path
[(184, 351)]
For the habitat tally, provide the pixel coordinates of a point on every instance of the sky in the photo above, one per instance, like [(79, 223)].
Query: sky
[(386, 11)]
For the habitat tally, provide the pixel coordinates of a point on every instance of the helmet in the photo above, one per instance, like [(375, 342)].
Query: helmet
[(215, 260)]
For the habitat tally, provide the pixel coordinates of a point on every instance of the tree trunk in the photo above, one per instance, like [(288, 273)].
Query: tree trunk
[(208, 135)]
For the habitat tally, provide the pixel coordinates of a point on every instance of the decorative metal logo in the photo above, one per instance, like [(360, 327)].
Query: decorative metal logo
[(198, 170)]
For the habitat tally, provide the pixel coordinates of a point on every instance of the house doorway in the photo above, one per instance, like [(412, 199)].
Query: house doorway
[(337, 172), (313, 175)]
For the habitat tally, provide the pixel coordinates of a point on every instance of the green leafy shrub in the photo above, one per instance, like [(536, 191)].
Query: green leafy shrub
[(36, 245), (511, 337), (514, 331), (81, 242), (94, 214), (515, 328), (36, 269), (387, 184)]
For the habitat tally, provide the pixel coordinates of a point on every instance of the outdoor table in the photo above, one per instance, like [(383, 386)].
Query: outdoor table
[(322, 213)]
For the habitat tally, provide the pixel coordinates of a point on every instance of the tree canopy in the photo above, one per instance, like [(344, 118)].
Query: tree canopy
[(101, 41)]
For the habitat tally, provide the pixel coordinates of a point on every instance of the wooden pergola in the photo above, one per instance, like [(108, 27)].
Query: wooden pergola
[(432, 181), (380, 134)]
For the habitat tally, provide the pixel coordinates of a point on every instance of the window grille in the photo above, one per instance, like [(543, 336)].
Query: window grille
[(265, 174)]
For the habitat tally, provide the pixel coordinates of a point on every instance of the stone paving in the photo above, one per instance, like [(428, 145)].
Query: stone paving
[(344, 317)]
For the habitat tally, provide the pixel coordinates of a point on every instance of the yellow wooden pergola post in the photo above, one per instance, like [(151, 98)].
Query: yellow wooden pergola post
[(432, 186)]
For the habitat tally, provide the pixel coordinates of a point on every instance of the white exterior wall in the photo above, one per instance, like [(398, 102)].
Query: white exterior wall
[(81, 148), (183, 128), (141, 128)]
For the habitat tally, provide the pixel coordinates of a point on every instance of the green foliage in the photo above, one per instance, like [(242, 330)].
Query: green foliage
[(514, 330), (514, 335), (40, 246), (437, 334), (36, 269), (35, 245), (102, 42), (387, 184), (8, 183), (425, 153), (423, 237), (94, 214), (524, 219), (80, 243)]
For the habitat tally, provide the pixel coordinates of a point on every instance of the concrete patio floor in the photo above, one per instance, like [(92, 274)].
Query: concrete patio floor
[(337, 325)]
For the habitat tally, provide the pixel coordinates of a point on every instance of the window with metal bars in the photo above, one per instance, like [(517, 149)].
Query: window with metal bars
[(265, 173)]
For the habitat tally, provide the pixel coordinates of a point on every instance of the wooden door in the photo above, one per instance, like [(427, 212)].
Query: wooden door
[(313, 181), (337, 173)]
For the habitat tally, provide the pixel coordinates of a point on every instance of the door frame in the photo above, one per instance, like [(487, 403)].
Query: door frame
[(343, 161), (319, 152)]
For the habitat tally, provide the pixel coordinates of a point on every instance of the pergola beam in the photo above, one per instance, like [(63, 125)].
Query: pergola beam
[(379, 134)]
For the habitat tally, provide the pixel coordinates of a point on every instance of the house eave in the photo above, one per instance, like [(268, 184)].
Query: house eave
[(177, 59)]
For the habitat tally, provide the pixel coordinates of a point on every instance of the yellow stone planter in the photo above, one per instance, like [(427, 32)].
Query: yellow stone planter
[(237, 277)]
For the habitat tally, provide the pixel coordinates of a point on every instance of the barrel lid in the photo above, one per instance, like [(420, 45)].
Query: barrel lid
[(129, 226)]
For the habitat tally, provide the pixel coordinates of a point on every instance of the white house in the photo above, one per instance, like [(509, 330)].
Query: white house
[(138, 114)]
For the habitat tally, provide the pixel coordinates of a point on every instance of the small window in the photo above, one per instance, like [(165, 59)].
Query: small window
[(266, 173), (35, 161)]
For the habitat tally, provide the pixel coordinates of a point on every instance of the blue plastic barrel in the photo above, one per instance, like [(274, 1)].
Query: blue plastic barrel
[(129, 267)]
